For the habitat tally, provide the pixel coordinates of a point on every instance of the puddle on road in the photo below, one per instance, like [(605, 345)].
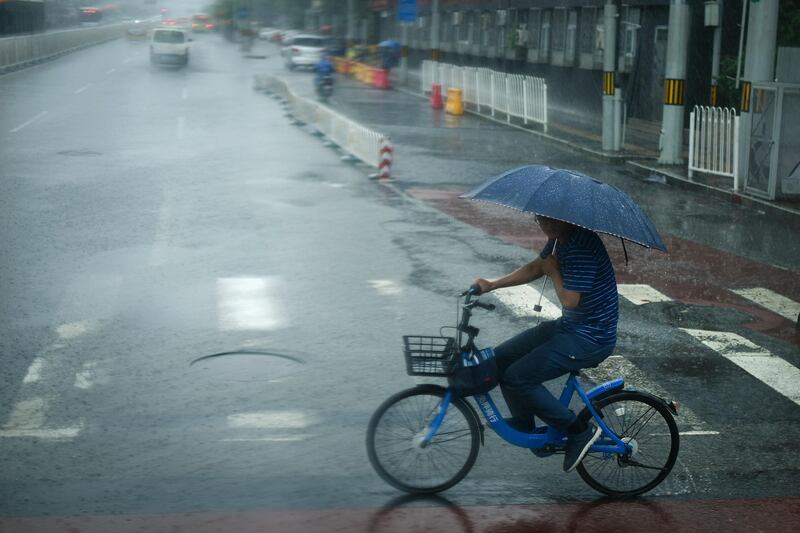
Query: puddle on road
[(248, 365)]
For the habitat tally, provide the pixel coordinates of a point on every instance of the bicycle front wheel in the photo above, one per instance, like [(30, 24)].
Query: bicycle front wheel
[(394, 441), (648, 427)]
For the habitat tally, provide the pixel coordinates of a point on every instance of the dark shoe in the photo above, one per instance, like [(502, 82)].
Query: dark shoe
[(578, 446)]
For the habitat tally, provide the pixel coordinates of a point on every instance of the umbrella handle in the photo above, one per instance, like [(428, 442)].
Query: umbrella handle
[(538, 307)]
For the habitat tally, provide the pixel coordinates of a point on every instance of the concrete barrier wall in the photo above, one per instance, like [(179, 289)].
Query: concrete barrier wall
[(361, 142), (21, 50)]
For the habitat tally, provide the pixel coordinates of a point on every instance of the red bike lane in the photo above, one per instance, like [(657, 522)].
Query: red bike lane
[(691, 272), (438, 515)]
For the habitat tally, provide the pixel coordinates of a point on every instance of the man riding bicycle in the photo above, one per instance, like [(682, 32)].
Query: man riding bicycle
[(576, 261)]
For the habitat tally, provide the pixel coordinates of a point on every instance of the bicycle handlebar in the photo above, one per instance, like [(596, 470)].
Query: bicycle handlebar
[(474, 290)]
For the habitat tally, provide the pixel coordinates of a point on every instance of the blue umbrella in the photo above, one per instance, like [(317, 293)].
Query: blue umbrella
[(572, 197)]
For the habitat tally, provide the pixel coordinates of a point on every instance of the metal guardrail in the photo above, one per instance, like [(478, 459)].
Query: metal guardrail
[(359, 141), (513, 95), (714, 142), (21, 50)]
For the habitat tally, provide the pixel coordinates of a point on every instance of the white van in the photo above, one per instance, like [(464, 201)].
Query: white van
[(169, 46)]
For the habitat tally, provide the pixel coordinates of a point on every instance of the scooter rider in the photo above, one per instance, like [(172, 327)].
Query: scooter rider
[(323, 69)]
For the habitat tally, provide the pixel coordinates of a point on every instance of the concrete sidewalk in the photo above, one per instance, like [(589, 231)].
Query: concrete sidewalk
[(640, 149)]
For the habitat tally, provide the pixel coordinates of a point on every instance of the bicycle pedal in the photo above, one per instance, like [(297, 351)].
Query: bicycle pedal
[(543, 452)]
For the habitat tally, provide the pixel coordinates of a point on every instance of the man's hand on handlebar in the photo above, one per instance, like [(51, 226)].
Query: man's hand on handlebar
[(481, 286)]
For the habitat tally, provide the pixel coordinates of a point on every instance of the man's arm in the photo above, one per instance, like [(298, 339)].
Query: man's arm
[(524, 274), (569, 299)]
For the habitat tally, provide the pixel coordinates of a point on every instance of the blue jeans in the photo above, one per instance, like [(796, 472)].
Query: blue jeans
[(537, 355)]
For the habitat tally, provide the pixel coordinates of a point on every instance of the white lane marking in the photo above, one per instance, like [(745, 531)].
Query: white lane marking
[(34, 373), (270, 420), (521, 299), (184, 93), (755, 360), (698, 433), (773, 301), (181, 123), (75, 329), (111, 71), (87, 377), (278, 438), (726, 343), (618, 366), (249, 303), (43, 433), (385, 287), (641, 294), (27, 419), (28, 123), (79, 91), (27, 414)]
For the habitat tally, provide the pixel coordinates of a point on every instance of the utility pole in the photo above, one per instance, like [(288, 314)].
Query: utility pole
[(404, 52), (435, 24), (351, 23), (609, 72), (713, 97), (759, 66), (675, 84)]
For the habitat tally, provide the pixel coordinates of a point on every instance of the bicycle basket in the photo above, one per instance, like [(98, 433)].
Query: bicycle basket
[(429, 356)]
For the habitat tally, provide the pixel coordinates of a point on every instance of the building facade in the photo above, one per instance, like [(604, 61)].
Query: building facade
[(563, 41)]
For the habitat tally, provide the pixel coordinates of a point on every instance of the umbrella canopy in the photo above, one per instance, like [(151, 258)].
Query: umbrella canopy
[(572, 197)]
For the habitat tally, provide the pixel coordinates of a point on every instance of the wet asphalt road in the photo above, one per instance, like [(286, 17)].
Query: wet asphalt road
[(142, 208)]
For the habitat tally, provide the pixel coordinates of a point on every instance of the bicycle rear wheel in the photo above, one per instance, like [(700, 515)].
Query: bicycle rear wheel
[(393, 441), (647, 425)]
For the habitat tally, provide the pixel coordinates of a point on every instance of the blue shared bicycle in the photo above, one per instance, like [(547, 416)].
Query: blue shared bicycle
[(425, 439)]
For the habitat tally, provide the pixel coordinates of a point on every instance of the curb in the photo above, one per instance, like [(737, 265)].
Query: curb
[(734, 196), (628, 159)]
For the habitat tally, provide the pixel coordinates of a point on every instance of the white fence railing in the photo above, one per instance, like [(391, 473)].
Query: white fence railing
[(355, 139), (714, 142), (22, 49), (512, 95)]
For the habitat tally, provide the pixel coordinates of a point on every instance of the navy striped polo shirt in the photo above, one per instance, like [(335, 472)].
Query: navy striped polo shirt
[(586, 268)]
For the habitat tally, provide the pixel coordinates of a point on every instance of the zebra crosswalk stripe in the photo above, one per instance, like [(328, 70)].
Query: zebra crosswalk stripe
[(755, 360), (616, 366), (521, 299), (773, 301), (641, 294)]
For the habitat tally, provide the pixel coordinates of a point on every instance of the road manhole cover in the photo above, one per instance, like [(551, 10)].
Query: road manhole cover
[(248, 365)]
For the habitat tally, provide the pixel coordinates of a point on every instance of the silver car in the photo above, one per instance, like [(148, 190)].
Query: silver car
[(303, 51)]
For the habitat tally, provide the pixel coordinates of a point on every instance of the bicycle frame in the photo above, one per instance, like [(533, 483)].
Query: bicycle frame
[(610, 443), (546, 436)]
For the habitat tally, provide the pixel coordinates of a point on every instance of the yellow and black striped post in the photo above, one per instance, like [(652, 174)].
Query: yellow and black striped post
[(674, 91), (436, 55), (608, 83), (745, 106), (713, 96)]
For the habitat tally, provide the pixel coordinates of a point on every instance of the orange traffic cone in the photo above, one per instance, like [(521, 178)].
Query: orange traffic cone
[(380, 79), (436, 96)]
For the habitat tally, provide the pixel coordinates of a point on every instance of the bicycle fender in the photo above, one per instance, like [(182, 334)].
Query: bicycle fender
[(471, 410), (672, 405)]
